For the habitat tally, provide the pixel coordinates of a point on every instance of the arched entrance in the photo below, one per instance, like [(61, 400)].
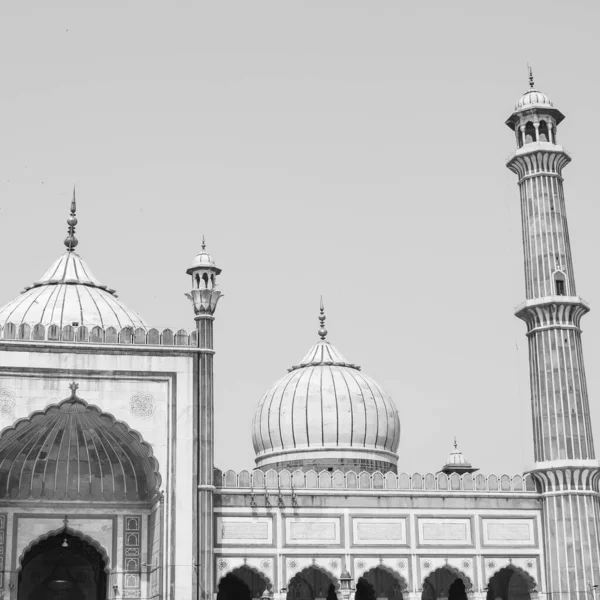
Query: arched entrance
[(444, 583), (311, 584), (378, 583), (241, 584), (62, 567), (510, 584)]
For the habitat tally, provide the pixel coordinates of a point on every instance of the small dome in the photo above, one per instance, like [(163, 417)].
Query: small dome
[(533, 99), (326, 413), (457, 463), (72, 451), (68, 293), (204, 259)]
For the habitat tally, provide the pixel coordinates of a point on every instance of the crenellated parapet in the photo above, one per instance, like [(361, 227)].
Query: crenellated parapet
[(552, 312), (538, 158), (338, 480), (98, 335)]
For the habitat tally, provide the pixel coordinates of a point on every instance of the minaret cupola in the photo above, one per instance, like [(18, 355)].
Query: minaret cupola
[(204, 272)]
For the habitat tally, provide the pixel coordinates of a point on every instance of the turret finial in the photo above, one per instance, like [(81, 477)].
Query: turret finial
[(455, 444), (322, 331), (71, 241), (203, 243), (531, 84)]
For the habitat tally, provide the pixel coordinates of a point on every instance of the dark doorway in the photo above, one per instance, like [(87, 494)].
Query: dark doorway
[(63, 567), (311, 584), (241, 584)]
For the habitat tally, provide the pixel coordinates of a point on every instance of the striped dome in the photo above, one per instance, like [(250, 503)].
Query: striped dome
[(68, 293), (533, 99), (326, 413), (72, 451)]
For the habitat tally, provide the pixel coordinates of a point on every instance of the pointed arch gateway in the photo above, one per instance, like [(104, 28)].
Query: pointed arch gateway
[(380, 582), (312, 583), (74, 451), (511, 583), (242, 583), (447, 582)]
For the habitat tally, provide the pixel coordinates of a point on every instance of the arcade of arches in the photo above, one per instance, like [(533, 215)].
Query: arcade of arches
[(62, 567), (376, 584)]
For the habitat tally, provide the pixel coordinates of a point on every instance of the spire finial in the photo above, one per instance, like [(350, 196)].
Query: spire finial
[(71, 241), (203, 243), (322, 331), (531, 84), (455, 444)]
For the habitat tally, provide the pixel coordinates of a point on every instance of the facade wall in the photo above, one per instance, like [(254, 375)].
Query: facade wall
[(152, 391), (278, 533)]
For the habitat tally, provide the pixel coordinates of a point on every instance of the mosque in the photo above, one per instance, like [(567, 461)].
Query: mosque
[(108, 487)]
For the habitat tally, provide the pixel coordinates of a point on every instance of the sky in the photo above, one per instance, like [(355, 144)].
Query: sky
[(351, 149)]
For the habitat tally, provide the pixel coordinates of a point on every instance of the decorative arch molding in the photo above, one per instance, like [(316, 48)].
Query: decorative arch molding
[(75, 533), (461, 567), (396, 567), (262, 566), (526, 567), (331, 566), (118, 433)]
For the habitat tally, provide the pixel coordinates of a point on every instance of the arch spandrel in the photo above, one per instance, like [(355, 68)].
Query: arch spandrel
[(227, 565), (460, 568), (527, 568), (112, 461), (331, 566), (396, 567)]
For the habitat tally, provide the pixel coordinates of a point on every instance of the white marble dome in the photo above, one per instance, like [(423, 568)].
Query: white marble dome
[(326, 413), (533, 99), (68, 293)]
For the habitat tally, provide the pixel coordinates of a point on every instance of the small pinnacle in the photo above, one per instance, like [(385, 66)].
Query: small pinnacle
[(322, 331), (531, 84), (74, 386), (71, 241)]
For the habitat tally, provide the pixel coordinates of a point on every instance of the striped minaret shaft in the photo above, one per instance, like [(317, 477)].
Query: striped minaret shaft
[(204, 297), (565, 467)]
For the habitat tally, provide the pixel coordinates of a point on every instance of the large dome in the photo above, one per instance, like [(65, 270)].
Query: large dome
[(68, 294), (326, 414)]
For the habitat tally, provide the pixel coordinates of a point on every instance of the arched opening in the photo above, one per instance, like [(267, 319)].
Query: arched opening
[(543, 131), (197, 279), (529, 132), (241, 584), (378, 583), (311, 584), (446, 583), (560, 285), (63, 567), (510, 584), (205, 279)]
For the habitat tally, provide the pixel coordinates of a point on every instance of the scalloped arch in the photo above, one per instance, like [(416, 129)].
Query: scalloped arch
[(508, 566), (323, 570), (14, 454), (75, 533), (397, 576), (459, 574), (255, 570)]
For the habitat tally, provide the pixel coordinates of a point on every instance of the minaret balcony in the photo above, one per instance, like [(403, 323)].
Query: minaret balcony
[(538, 158), (552, 312)]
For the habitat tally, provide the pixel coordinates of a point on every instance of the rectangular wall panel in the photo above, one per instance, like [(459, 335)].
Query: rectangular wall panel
[(305, 531), (379, 532), (508, 532), (445, 532), (244, 530)]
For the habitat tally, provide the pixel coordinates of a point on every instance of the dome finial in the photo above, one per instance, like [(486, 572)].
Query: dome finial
[(203, 243), (71, 241), (322, 331), (455, 444), (531, 84)]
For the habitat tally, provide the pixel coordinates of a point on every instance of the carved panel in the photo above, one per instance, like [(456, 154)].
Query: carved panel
[(508, 532), (244, 530), (445, 532), (379, 532), (312, 531), (132, 543)]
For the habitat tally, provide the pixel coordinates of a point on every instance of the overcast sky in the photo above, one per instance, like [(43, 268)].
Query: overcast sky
[(351, 149)]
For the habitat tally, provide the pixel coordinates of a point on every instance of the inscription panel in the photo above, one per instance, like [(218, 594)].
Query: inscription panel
[(244, 530), (445, 532), (307, 531), (508, 532), (379, 532)]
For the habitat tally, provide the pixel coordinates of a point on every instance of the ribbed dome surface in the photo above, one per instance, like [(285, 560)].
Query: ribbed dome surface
[(533, 98), (68, 293), (72, 451), (325, 409)]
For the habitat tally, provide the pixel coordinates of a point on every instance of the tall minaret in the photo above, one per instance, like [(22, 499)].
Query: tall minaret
[(565, 467), (204, 297)]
